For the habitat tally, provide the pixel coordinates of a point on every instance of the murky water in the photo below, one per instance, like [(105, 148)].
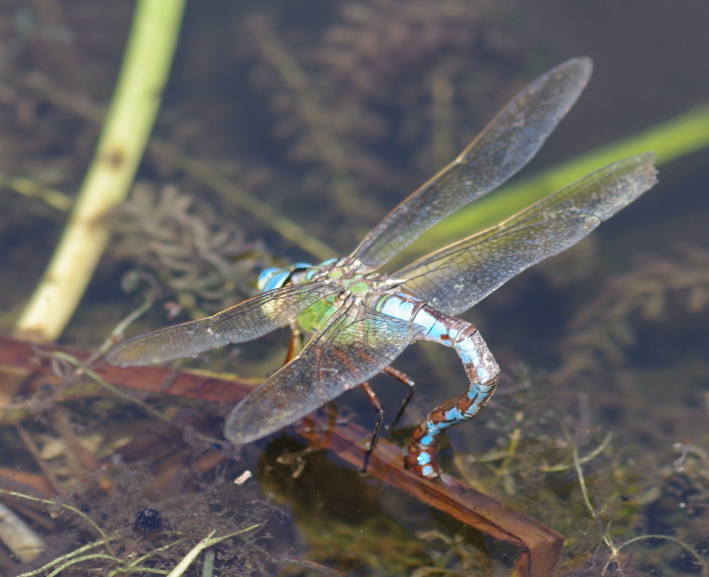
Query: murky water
[(330, 114)]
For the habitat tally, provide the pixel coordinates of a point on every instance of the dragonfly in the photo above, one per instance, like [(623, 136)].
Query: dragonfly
[(359, 320)]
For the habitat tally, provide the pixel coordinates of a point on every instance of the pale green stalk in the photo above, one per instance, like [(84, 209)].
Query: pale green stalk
[(128, 125)]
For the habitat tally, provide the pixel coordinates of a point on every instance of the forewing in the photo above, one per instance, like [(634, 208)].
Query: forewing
[(456, 277), (512, 138), (243, 322), (356, 345)]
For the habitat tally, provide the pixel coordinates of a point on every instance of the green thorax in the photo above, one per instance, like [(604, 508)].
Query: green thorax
[(315, 317)]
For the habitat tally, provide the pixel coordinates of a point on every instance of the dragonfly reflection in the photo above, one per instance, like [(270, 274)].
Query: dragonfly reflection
[(360, 320)]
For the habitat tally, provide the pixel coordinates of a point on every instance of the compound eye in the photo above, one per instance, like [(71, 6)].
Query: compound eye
[(272, 278)]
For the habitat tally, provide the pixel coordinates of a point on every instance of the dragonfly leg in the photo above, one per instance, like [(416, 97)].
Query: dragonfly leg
[(295, 344), (408, 381), (380, 419), (380, 410)]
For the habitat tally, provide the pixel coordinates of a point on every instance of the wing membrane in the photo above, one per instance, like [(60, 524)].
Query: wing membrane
[(455, 278), (512, 138), (356, 345), (243, 322)]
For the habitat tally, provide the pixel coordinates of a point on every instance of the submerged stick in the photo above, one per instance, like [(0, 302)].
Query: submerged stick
[(125, 134)]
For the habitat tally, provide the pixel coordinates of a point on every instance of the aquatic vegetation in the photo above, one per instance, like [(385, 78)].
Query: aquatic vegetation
[(109, 540), (615, 341), (655, 290), (194, 255), (388, 79), (618, 506), (105, 456)]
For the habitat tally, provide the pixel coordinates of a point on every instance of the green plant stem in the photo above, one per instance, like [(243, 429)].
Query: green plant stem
[(208, 568), (698, 559), (104, 538), (50, 196), (205, 543), (128, 125), (592, 455), (68, 564), (71, 555)]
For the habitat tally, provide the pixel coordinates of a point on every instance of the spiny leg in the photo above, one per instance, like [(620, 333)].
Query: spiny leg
[(376, 404), (408, 381), (295, 345)]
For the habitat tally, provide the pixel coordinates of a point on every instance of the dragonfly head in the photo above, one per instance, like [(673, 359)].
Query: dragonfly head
[(273, 278)]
